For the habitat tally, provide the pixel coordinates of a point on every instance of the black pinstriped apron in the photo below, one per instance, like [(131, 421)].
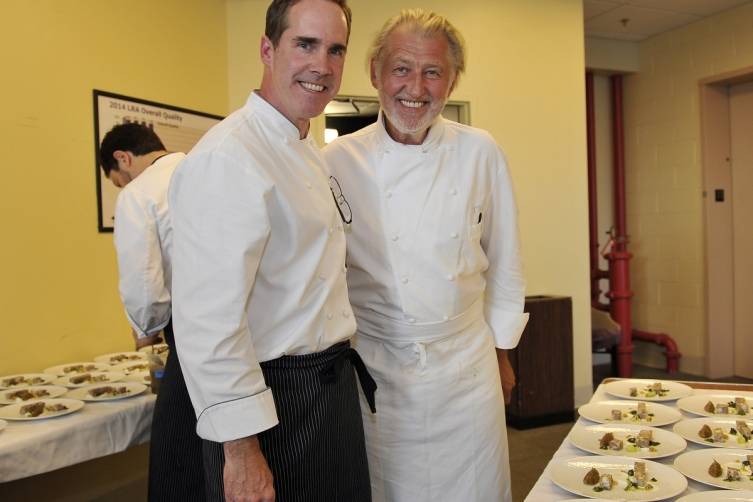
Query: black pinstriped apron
[(316, 452), (175, 455)]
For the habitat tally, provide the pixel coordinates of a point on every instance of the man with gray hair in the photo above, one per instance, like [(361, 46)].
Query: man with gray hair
[(434, 274)]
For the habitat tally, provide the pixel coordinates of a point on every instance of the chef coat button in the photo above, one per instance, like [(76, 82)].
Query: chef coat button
[(329, 316), (454, 191), (388, 195), (450, 277), (331, 229), (411, 320), (405, 280), (454, 235), (395, 237), (346, 314), (446, 318), (322, 276)]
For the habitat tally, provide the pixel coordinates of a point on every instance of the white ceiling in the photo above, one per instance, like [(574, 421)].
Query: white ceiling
[(645, 18)]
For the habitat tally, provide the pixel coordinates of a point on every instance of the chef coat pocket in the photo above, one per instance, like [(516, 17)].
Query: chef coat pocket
[(472, 256)]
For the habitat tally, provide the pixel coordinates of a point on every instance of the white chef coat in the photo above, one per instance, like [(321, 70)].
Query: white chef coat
[(258, 265), (435, 281), (143, 238), (434, 227)]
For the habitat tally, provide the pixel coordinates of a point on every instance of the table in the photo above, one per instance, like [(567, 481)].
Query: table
[(28, 448), (546, 491)]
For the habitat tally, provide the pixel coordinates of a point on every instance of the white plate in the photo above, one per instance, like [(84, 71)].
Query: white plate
[(695, 465), (118, 358), (569, 473), (694, 404), (82, 393), (621, 388), (719, 496), (52, 392), (107, 376), (133, 367), (159, 349), (44, 377), (601, 412), (12, 412), (76, 368), (689, 430), (587, 439), (140, 377)]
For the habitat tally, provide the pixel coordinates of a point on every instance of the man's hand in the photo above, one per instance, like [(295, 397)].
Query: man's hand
[(147, 340), (506, 374), (246, 475)]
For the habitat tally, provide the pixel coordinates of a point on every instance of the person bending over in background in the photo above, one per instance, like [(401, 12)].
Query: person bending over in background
[(134, 159)]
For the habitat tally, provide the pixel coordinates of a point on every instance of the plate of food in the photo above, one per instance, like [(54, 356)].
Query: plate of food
[(648, 390), (719, 496), (41, 409), (157, 348), (76, 368), (629, 412), (121, 357), (25, 380), (13, 396), (718, 432), (718, 405), (133, 367), (627, 440), (108, 392), (617, 478), (730, 469), (84, 379)]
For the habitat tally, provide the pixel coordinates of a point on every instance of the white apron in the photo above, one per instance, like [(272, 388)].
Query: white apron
[(439, 431)]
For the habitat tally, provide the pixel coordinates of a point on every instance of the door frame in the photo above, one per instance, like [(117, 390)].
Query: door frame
[(718, 234)]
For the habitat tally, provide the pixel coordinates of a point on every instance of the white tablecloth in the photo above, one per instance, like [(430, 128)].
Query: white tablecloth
[(546, 491), (33, 447)]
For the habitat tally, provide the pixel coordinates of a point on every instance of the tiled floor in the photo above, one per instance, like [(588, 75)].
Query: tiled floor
[(531, 450)]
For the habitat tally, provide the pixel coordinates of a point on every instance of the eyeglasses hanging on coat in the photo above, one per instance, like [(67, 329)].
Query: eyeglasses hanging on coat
[(342, 205)]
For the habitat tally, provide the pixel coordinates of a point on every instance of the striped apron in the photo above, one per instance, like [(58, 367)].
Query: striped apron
[(175, 452), (440, 432), (316, 453)]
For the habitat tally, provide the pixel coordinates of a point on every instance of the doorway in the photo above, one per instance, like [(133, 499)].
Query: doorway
[(727, 155)]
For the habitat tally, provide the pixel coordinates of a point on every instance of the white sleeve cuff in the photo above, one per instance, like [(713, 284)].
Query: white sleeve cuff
[(506, 326), (238, 418), (142, 333)]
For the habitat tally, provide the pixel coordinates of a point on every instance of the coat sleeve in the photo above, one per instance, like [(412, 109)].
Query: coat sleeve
[(145, 295), (220, 229), (505, 285)]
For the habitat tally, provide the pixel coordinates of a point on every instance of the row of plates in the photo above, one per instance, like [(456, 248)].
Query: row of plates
[(72, 402)]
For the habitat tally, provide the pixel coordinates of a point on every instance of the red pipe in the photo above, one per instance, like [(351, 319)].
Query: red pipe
[(672, 353), (593, 226), (619, 259)]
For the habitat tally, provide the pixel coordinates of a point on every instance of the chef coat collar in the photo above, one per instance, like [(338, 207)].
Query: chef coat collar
[(432, 140), (274, 120)]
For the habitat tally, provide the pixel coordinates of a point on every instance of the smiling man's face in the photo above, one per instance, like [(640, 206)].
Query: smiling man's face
[(304, 71)]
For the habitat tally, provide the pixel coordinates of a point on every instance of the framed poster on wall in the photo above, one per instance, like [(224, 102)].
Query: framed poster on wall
[(178, 128)]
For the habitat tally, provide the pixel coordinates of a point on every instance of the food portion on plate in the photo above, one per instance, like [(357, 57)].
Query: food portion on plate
[(120, 390), (739, 406), (158, 348), (629, 412), (639, 414), (73, 381), (631, 443), (76, 368), (121, 357), (22, 394), (635, 441), (41, 409), (648, 390), (732, 471), (636, 478), (133, 367), (25, 380)]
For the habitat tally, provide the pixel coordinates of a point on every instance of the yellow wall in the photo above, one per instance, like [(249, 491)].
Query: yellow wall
[(58, 299), (664, 177), (525, 84)]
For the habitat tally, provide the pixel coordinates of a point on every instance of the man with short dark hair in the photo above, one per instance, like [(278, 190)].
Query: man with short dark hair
[(434, 274), (262, 317), (133, 157)]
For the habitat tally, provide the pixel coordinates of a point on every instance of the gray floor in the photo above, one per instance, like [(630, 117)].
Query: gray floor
[(531, 450)]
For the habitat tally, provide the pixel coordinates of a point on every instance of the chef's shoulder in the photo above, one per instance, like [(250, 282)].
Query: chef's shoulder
[(351, 149), (235, 147), (151, 185)]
